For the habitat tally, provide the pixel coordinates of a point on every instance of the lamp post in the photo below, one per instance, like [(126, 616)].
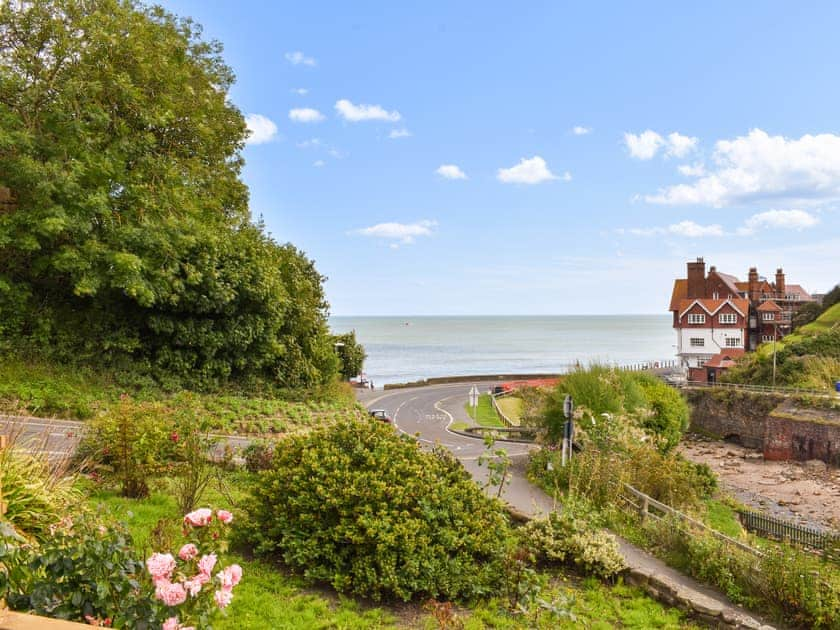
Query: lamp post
[(568, 431), (775, 335)]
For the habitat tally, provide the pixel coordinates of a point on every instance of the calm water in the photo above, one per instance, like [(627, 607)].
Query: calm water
[(406, 349)]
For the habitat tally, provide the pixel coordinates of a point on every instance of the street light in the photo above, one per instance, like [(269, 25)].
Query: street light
[(775, 335)]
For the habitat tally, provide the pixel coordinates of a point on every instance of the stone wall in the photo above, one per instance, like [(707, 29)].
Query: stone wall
[(800, 433), (783, 428), (727, 414)]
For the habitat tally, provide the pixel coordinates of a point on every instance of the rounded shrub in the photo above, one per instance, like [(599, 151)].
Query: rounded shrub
[(368, 511)]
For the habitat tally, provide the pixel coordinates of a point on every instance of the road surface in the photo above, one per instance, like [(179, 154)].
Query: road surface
[(427, 412)]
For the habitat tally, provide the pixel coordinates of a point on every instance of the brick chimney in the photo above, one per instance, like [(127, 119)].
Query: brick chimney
[(780, 282), (696, 278), (754, 293)]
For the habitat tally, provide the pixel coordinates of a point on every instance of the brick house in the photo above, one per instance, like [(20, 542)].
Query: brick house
[(718, 318)]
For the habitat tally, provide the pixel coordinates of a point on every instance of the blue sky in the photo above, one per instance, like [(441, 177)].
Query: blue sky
[(540, 157)]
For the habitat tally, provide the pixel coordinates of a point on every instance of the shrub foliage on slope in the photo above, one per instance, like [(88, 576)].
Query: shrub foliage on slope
[(131, 238), (369, 512)]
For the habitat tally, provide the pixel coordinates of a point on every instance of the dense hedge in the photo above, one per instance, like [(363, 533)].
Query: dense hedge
[(368, 511)]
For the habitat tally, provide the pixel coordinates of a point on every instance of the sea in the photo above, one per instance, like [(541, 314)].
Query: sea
[(406, 349)]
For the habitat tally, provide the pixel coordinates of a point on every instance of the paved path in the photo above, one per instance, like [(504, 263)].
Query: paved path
[(427, 412)]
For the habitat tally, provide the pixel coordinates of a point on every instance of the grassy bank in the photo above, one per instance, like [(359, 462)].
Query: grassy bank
[(269, 597), (484, 414), (50, 390)]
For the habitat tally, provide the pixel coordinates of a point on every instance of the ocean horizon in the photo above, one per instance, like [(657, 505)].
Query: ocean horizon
[(409, 348)]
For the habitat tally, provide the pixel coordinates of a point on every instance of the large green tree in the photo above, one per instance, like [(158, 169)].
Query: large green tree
[(131, 238)]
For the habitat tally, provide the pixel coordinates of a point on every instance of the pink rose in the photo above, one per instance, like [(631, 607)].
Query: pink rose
[(206, 564), (199, 517), (224, 516), (171, 624), (193, 586), (223, 598), (188, 552), (230, 576), (160, 565), (171, 594)]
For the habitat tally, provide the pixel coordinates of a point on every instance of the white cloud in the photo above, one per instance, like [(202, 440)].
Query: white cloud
[(579, 130), (311, 142), (318, 163), (528, 171), (566, 176), (645, 145), (261, 128), (785, 219), (758, 166), (680, 145), (300, 91), (400, 233), (450, 171), (297, 58), (688, 229), (305, 115), (399, 133), (697, 169), (778, 219), (356, 113)]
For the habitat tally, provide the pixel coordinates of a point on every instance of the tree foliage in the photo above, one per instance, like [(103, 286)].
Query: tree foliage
[(368, 511), (131, 239), (351, 354)]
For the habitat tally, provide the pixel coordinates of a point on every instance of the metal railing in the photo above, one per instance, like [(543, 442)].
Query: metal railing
[(508, 422), (778, 529), (767, 389)]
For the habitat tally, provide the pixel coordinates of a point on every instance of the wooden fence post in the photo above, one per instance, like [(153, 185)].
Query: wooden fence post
[(4, 441)]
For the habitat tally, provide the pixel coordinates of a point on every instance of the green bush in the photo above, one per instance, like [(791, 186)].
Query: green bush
[(572, 537), (668, 414), (258, 455), (131, 443), (85, 572), (368, 511)]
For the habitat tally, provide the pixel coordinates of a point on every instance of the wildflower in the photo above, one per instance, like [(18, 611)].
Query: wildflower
[(223, 598), (171, 624), (175, 437), (171, 594), (199, 517), (160, 565), (224, 516), (188, 552)]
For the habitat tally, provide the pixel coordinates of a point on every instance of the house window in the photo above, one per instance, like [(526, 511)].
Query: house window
[(768, 317), (696, 318), (766, 338), (697, 342), (701, 362), (727, 318), (733, 342)]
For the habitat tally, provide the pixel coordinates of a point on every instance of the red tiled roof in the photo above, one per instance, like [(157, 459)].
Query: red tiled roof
[(711, 305), (679, 293), (768, 306), (795, 288), (729, 280), (725, 359)]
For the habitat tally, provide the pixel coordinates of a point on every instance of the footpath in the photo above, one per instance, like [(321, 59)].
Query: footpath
[(644, 570)]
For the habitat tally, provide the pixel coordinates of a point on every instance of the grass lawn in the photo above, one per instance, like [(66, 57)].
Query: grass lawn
[(485, 415), (267, 598), (511, 406)]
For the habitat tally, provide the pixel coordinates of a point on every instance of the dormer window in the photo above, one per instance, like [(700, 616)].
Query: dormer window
[(696, 318), (728, 318), (715, 296), (768, 317)]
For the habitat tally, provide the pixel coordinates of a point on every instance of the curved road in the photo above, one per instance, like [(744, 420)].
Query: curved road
[(426, 413)]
